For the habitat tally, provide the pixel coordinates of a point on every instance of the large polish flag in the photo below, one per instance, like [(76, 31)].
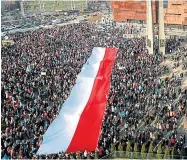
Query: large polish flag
[(78, 124)]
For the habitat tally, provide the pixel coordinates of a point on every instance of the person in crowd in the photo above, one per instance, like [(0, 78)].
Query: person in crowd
[(40, 69)]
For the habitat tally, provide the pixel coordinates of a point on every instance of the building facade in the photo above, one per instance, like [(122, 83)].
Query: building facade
[(2, 6), (99, 4), (38, 6), (175, 11), (9, 5)]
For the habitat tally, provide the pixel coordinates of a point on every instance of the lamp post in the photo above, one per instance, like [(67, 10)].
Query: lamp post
[(149, 17), (161, 28)]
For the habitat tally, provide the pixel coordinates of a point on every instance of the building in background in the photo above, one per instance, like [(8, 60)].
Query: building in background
[(98, 4), (131, 10), (175, 11), (2, 6), (39, 6), (9, 5)]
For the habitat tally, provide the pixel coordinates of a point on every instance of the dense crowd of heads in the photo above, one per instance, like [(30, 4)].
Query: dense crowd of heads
[(40, 69)]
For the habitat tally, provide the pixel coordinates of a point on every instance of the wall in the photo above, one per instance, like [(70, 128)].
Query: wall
[(175, 13)]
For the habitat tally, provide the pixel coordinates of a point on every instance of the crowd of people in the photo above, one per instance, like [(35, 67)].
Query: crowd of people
[(40, 69)]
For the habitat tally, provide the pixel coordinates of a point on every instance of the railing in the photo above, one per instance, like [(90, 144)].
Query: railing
[(139, 155)]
